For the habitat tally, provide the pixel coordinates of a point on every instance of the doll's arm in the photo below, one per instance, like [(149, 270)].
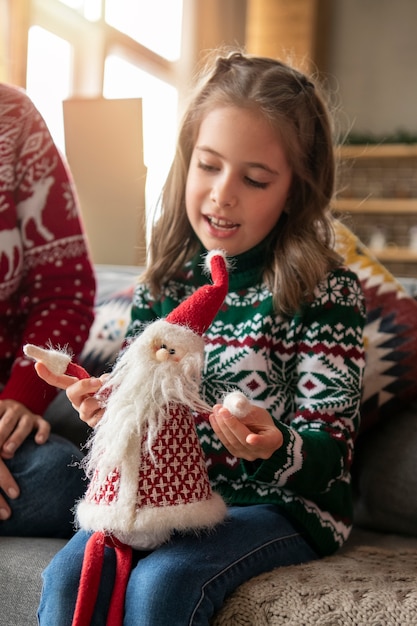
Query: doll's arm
[(56, 368)]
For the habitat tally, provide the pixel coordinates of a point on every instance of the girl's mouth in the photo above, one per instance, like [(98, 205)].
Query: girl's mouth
[(221, 224)]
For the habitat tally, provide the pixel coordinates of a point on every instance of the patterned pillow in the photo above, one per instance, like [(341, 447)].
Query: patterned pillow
[(112, 316), (390, 381)]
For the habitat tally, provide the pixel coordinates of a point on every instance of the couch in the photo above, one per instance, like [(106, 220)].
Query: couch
[(372, 580)]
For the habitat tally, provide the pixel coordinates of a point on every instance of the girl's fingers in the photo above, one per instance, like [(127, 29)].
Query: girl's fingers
[(62, 381)]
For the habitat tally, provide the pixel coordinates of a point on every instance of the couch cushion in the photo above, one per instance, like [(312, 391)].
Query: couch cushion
[(385, 477), (359, 585), (390, 332), (22, 562)]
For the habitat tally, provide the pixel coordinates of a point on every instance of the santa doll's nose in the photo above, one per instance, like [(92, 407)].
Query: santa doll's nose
[(162, 355)]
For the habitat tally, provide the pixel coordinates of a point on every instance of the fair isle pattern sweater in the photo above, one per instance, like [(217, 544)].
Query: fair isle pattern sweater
[(306, 370), (47, 283)]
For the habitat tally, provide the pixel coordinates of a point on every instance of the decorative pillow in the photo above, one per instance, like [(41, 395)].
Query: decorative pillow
[(112, 316), (390, 381)]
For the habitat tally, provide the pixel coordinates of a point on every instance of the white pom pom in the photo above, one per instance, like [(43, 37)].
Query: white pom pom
[(208, 258), (213, 253), (237, 403)]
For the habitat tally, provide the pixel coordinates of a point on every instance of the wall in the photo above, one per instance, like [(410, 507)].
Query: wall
[(287, 30), (104, 146), (373, 61)]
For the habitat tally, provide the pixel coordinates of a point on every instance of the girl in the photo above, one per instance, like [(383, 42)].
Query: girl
[(253, 174)]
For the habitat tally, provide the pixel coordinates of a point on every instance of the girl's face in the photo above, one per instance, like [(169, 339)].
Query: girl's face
[(238, 180)]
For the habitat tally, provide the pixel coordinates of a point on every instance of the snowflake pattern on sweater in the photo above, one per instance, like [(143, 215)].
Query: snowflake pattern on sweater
[(47, 283), (306, 370)]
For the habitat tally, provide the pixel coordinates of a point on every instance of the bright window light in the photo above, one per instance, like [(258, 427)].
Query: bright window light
[(155, 24), (48, 79), (91, 9), (159, 106)]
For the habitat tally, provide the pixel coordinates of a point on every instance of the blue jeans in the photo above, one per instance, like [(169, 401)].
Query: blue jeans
[(49, 485), (185, 581)]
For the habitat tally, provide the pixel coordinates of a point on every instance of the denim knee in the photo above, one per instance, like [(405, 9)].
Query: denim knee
[(50, 483)]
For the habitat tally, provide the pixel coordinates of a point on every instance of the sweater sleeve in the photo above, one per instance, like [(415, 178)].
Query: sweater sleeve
[(52, 288), (318, 441)]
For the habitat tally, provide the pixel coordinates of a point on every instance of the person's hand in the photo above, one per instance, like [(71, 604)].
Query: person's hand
[(79, 392), (16, 423), (9, 486), (252, 437), (62, 381), (82, 397)]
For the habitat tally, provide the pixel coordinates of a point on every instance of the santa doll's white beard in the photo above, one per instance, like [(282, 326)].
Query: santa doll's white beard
[(142, 389)]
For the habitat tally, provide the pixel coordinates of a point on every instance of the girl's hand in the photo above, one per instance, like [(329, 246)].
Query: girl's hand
[(82, 397), (252, 437), (79, 392), (62, 381)]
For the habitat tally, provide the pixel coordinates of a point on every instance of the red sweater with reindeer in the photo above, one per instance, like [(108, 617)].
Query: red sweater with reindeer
[(47, 283)]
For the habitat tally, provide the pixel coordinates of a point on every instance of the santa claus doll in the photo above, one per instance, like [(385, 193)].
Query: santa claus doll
[(148, 475)]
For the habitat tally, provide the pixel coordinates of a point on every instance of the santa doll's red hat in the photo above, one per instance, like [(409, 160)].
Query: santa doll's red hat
[(199, 310)]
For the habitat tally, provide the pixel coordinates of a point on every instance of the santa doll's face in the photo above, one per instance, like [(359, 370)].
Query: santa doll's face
[(171, 347), (167, 351), (162, 366)]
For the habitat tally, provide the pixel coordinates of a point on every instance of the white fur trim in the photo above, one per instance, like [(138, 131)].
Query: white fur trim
[(152, 526), (210, 255)]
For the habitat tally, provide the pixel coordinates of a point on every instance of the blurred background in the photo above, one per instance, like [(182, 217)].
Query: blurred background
[(76, 56)]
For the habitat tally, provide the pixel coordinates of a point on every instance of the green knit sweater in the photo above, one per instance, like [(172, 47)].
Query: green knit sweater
[(306, 370)]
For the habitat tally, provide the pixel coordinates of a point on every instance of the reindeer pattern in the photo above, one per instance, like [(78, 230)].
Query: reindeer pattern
[(31, 209), (38, 182), (9, 243), (29, 173)]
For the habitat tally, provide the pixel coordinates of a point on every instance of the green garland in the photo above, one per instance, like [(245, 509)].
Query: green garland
[(401, 136)]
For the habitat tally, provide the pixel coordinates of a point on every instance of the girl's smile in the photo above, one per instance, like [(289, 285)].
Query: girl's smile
[(238, 180), (218, 225)]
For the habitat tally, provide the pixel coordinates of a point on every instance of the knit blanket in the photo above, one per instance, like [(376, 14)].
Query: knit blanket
[(365, 586)]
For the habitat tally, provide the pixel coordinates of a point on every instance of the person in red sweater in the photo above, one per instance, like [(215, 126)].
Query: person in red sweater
[(47, 291)]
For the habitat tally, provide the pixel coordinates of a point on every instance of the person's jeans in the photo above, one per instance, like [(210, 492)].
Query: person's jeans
[(50, 482), (185, 581)]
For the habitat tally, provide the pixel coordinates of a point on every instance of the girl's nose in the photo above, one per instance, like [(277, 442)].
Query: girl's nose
[(223, 195)]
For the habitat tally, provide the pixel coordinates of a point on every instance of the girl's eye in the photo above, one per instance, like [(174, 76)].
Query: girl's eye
[(206, 167), (256, 183)]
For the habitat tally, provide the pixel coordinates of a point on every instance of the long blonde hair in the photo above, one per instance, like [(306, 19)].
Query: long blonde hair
[(299, 249)]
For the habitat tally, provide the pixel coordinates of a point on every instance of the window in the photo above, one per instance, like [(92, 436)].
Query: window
[(141, 20), (114, 48), (49, 87)]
